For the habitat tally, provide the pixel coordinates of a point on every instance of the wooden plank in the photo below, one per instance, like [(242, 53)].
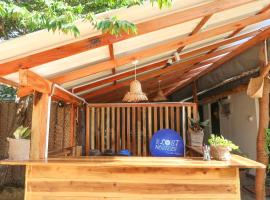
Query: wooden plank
[(184, 127), (92, 133), (144, 124), (8, 82), (123, 136), (134, 146), (189, 114), (30, 79), (162, 63), (169, 175), (166, 117), (118, 131), (199, 26), (155, 120), (87, 137), (97, 129), (158, 49), (150, 125), (178, 122), (114, 182), (160, 104), (108, 129), (72, 124), (139, 132), (128, 128), (102, 129), (40, 126), (172, 121), (161, 118), (113, 144)]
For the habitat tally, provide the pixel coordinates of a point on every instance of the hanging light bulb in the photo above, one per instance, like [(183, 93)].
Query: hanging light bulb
[(160, 95), (177, 56), (135, 94)]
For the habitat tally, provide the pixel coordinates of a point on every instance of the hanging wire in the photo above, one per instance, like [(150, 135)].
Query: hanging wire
[(135, 62)]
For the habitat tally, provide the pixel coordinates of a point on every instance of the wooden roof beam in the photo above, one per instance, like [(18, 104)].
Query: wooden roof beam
[(158, 49), (197, 28), (263, 35), (8, 82), (30, 82), (159, 64), (101, 40), (185, 65)]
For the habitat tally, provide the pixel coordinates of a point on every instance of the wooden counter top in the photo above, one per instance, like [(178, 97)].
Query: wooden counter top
[(236, 162)]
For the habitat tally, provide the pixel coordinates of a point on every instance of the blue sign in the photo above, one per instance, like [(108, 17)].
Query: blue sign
[(167, 143)]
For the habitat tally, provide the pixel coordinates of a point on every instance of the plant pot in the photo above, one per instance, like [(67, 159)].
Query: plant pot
[(19, 149), (220, 152), (196, 138)]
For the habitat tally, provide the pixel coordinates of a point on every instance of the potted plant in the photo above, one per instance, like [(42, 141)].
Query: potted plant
[(19, 146), (196, 133), (220, 147)]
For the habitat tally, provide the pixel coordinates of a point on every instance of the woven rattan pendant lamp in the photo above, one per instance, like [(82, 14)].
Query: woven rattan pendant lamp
[(160, 95), (135, 94)]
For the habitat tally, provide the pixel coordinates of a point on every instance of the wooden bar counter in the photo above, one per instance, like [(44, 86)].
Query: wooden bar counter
[(89, 178)]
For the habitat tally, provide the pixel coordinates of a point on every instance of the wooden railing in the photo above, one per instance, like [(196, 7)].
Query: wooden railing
[(131, 126)]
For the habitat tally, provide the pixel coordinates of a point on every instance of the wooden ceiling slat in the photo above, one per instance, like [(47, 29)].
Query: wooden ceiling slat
[(101, 40), (243, 47), (158, 49)]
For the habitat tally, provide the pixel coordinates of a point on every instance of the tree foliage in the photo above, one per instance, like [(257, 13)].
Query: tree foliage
[(18, 17)]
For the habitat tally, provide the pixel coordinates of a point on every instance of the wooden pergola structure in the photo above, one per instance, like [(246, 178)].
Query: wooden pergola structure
[(96, 68)]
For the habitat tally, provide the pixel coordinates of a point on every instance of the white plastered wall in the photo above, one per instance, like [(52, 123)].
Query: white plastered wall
[(242, 124)]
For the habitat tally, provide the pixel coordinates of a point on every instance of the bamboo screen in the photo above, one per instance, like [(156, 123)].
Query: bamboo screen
[(131, 126)]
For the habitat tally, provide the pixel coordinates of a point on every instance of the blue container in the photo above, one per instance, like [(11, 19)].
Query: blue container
[(167, 143), (124, 152)]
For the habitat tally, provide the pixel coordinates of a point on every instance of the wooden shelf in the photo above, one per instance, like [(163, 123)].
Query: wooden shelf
[(236, 162)]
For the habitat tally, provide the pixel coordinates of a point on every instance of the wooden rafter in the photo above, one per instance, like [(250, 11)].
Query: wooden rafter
[(112, 56), (235, 32), (101, 40), (265, 9), (161, 63), (183, 66), (8, 82), (158, 49), (246, 45), (30, 82), (197, 28)]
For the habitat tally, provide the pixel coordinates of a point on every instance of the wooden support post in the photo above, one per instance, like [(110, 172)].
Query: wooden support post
[(195, 99), (40, 126), (72, 124), (263, 124), (195, 96)]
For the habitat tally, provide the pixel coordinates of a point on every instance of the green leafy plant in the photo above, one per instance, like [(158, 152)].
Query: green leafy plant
[(221, 141), (197, 124), (22, 133), (19, 17), (7, 93)]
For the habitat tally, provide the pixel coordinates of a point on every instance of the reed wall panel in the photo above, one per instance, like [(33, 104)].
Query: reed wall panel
[(131, 126)]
